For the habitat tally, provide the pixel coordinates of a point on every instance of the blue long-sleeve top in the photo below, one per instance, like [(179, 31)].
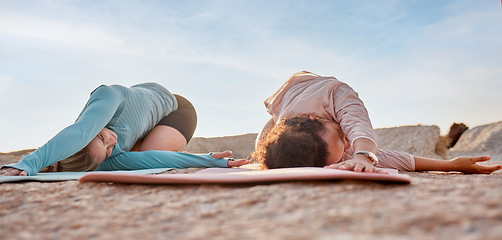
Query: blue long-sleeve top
[(131, 113)]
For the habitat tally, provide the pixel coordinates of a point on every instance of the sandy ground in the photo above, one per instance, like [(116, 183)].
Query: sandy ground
[(434, 206)]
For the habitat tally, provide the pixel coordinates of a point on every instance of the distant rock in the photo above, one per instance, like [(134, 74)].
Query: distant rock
[(416, 140), (481, 140), (240, 145), (455, 132)]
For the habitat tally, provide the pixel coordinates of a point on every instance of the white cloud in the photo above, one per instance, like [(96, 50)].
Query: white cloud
[(449, 74), (228, 56), (379, 13), (73, 34), (5, 84)]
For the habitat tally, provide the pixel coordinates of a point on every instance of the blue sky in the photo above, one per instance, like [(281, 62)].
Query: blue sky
[(412, 62)]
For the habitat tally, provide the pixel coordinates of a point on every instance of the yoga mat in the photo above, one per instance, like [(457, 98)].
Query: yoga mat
[(244, 175), (65, 176)]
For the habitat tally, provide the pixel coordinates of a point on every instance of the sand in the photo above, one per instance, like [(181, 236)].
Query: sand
[(435, 205)]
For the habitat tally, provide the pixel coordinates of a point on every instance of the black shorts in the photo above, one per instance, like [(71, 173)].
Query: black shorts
[(184, 119)]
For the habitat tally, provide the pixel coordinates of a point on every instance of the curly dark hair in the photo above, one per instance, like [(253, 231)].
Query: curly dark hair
[(293, 142)]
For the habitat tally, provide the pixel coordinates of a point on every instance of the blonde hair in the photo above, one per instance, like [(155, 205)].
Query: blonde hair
[(82, 161)]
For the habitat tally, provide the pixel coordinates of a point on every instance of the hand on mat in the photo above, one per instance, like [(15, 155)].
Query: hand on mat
[(468, 165), (231, 162), (357, 164), (9, 171)]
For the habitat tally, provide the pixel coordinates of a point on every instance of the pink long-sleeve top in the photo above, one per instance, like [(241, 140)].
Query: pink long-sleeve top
[(306, 93)]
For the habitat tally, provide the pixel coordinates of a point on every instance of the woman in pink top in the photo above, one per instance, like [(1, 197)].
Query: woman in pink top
[(320, 121)]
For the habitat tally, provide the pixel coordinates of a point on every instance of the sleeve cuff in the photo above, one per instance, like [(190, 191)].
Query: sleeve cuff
[(365, 137), (219, 162)]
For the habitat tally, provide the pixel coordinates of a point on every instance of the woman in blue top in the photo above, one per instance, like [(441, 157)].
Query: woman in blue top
[(123, 128)]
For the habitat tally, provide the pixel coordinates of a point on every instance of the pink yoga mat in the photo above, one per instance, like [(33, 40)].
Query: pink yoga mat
[(244, 175)]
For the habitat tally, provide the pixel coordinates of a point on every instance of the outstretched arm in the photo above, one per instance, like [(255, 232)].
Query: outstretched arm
[(459, 164), (400, 162), (167, 159)]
